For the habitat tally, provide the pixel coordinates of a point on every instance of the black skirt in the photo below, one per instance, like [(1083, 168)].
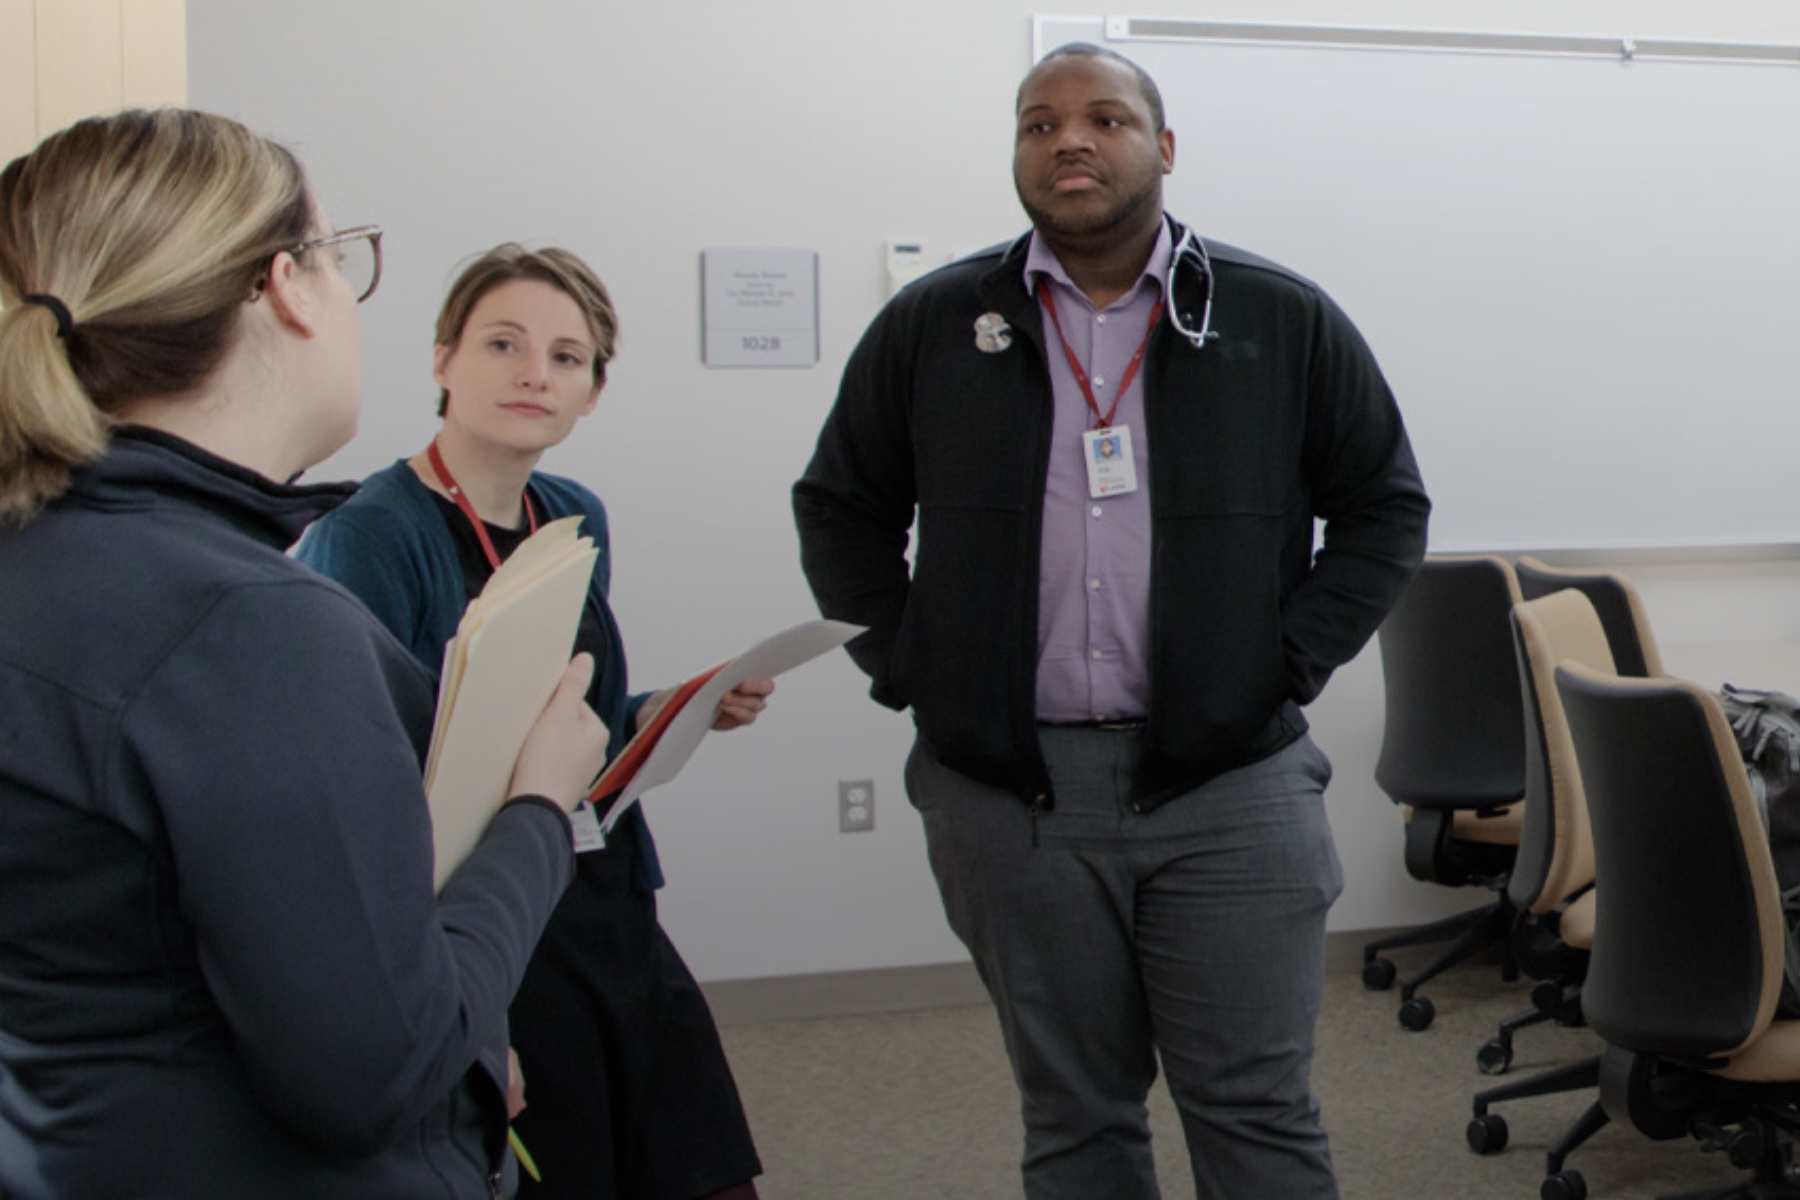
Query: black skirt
[(627, 1090)]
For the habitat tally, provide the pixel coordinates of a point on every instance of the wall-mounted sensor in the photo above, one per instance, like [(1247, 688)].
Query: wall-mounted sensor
[(906, 261)]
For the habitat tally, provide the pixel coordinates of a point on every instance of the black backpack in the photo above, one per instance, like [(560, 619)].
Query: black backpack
[(1766, 726)]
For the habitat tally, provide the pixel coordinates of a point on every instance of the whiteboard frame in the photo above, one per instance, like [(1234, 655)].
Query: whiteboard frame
[(1624, 47)]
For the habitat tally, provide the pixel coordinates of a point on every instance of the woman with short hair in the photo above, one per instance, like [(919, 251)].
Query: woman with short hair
[(628, 1090)]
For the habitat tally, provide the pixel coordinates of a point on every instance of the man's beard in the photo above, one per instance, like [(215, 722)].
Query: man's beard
[(1097, 227)]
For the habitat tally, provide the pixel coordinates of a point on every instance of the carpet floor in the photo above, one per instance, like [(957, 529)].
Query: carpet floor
[(921, 1105)]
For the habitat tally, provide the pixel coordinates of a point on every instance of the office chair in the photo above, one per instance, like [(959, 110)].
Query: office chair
[(1453, 755), (1689, 938), (1615, 599), (1631, 651), (1553, 875)]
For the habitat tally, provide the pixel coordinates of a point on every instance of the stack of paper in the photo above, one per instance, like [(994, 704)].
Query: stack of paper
[(500, 670)]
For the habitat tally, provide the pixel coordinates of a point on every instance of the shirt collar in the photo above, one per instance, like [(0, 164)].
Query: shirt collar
[(1041, 262)]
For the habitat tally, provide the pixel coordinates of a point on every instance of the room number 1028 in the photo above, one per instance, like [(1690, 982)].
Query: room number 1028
[(761, 341)]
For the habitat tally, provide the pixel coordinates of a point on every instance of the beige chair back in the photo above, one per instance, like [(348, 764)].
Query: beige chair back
[(1556, 844)]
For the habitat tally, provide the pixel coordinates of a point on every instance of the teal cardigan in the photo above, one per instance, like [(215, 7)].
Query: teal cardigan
[(389, 545)]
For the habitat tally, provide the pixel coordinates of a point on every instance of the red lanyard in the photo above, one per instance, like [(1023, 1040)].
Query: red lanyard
[(1104, 419), (468, 509)]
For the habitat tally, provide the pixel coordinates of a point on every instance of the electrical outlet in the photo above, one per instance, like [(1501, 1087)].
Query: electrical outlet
[(856, 805)]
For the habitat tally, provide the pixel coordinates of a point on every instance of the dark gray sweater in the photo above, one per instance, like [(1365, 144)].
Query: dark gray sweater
[(223, 970)]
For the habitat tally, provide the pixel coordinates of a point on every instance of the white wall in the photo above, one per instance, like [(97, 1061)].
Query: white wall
[(640, 134)]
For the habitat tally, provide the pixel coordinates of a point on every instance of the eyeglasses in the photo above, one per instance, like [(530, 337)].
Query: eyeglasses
[(358, 256)]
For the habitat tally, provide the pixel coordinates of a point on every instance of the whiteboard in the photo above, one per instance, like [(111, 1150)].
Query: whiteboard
[(1581, 275)]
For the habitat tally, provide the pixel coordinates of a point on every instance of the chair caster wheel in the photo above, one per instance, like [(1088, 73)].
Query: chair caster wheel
[(1745, 1150), (1494, 1057), (1564, 1185), (1416, 1014), (1378, 975), (1487, 1133)]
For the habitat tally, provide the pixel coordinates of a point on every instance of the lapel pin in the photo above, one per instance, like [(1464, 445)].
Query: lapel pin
[(992, 333)]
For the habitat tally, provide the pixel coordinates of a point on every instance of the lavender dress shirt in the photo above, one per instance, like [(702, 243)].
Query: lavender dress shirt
[(1094, 577)]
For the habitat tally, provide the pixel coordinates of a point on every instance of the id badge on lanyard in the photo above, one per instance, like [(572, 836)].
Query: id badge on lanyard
[(1111, 468), (1105, 449)]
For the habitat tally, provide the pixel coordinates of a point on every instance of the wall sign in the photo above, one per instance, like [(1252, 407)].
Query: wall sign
[(759, 308)]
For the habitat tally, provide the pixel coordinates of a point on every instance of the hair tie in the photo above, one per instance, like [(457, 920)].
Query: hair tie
[(59, 310)]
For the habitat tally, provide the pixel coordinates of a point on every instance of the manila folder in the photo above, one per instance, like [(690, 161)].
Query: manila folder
[(500, 670)]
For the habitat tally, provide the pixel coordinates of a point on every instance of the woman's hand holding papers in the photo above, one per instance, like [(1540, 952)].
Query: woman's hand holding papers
[(740, 706), (567, 746), (737, 708)]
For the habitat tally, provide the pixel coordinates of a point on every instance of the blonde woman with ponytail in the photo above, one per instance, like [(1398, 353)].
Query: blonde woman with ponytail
[(223, 968)]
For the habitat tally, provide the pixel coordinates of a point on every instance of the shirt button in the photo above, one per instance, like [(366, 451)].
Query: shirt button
[(1096, 510), (1094, 584), (1100, 318), (1094, 654), (1099, 381)]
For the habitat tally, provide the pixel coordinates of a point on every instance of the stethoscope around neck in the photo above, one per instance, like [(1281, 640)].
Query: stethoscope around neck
[(1192, 249)]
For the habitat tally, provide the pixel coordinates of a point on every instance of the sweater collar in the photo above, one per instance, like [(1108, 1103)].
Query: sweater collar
[(1003, 287), (147, 468)]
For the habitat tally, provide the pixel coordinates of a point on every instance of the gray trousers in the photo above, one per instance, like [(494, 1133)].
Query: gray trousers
[(1109, 939)]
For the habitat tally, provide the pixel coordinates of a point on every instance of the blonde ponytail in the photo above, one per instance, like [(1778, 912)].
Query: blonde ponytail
[(48, 427), (149, 229)]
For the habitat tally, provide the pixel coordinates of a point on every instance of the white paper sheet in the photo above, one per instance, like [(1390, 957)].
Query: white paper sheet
[(770, 657)]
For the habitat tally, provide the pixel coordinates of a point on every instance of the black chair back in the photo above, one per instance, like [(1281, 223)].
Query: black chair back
[(1684, 964), (1621, 613), (1455, 728)]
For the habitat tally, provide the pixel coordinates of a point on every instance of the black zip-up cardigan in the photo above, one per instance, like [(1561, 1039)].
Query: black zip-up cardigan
[(1283, 418)]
